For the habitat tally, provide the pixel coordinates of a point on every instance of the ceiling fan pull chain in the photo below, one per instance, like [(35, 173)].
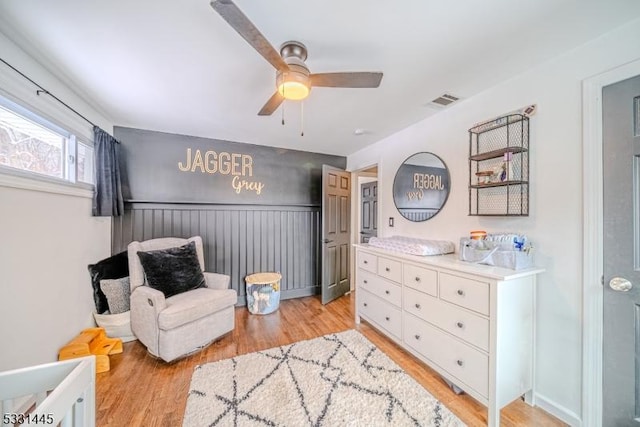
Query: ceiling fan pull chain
[(301, 118)]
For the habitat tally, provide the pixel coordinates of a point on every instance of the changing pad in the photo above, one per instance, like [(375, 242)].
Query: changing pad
[(413, 246)]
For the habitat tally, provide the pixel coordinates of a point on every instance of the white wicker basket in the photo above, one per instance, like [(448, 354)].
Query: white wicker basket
[(116, 325)]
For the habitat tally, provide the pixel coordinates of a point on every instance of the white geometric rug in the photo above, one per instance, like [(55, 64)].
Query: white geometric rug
[(335, 380)]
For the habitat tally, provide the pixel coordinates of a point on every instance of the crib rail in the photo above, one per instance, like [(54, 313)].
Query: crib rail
[(63, 394)]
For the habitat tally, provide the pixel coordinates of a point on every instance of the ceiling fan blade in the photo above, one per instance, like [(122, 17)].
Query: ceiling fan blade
[(272, 104), (239, 21), (364, 79)]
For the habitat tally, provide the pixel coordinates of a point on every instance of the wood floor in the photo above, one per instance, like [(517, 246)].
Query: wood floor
[(142, 391)]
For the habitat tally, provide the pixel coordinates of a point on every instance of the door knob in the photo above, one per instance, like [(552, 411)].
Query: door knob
[(620, 284)]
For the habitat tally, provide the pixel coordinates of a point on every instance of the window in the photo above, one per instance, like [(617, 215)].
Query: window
[(30, 143), (85, 163)]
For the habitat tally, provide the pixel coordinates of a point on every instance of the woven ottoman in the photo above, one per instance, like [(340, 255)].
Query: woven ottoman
[(263, 292)]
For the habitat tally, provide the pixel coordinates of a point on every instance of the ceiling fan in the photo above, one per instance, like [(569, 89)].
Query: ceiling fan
[(293, 78)]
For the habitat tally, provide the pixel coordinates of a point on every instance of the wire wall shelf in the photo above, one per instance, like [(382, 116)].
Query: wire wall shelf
[(499, 167)]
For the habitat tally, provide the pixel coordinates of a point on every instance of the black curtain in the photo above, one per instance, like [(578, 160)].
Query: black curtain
[(107, 197)]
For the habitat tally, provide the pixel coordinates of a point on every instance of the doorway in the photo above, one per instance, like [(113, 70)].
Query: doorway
[(366, 175), (336, 233), (368, 210), (593, 228), (621, 252)]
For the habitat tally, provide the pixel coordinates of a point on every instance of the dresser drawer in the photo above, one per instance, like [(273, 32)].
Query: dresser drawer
[(380, 287), (367, 261), (468, 293), (364, 279), (469, 365), (390, 269), (421, 279), (380, 312), (419, 304), (470, 327)]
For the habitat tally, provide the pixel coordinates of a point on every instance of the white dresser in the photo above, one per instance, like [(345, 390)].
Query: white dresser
[(473, 324)]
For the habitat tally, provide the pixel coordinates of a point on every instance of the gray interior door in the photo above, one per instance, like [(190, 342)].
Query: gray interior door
[(336, 225), (621, 356), (368, 211)]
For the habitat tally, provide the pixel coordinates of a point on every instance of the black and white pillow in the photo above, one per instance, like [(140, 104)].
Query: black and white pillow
[(117, 292), (114, 267)]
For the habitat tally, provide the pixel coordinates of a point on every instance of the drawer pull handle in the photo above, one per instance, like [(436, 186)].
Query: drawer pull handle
[(387, 269), (417, 279), (417, 306), (387, 292), (365, 304), (387, 318), (417, 336), (460, 292), (366, 262), (460, 325), (365, 282), (460, 362)]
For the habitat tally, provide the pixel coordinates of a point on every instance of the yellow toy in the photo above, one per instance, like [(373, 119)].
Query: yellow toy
[(92, 341)]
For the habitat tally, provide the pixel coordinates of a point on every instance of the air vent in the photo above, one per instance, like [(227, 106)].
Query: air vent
[(445, 100)]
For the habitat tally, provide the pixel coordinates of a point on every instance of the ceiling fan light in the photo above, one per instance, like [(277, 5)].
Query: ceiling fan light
[(293, 90), (294, 84)]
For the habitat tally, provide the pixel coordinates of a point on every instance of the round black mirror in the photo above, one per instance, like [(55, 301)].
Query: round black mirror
[(421, 187)]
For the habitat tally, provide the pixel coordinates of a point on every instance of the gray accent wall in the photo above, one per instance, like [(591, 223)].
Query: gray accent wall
[(272, 227), (163, 167)]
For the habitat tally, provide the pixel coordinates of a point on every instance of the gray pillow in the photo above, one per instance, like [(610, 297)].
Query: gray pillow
[(117, 292)]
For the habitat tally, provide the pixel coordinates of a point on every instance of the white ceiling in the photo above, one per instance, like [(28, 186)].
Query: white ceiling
[(177, 66)]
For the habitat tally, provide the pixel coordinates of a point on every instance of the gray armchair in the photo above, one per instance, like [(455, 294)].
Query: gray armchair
[(181, 324)]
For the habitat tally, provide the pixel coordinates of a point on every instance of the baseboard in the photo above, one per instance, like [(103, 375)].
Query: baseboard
[(558, 411), (299, 293)]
